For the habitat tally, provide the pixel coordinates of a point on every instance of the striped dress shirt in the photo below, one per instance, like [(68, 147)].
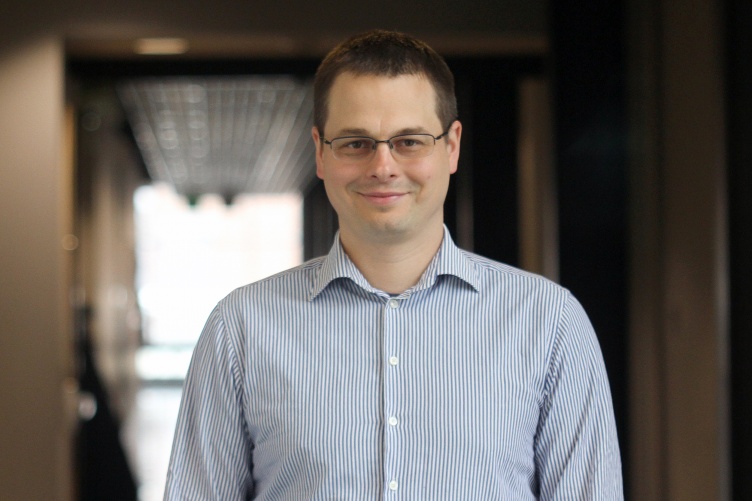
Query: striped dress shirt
[(481, 382)]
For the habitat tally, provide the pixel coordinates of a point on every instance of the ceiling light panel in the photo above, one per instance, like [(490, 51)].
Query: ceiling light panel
[(224, 135)]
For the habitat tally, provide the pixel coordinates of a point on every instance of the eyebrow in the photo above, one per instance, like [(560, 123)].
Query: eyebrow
[(365, 133)]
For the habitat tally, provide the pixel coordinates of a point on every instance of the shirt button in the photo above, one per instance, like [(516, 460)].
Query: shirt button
[(393, 304), (393, 360), (393, 485), (393, 421)]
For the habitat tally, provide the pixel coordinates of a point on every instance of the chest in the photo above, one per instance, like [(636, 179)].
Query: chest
[(428, 376)]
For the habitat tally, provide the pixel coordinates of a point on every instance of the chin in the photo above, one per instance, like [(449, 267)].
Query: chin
[(390, 229)]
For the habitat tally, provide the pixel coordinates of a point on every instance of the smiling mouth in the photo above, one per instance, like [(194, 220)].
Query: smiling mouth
[(382, 198)]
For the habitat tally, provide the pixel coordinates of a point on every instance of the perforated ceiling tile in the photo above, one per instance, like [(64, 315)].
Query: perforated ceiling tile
[(224, 135)]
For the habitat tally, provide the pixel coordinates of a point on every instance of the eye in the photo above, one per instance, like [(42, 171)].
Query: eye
[(410, 142), (355, 144), (352, 148)]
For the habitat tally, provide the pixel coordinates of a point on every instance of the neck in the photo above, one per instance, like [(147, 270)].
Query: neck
[(393, 266)]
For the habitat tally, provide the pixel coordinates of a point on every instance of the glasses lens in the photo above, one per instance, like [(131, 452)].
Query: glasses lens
[(352, 148), (413, 145), (407, 146)]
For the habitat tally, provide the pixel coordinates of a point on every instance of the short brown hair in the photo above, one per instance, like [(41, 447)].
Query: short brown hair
[(384, 53)]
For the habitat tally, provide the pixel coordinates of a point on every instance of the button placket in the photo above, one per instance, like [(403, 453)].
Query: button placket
[(393, 448)]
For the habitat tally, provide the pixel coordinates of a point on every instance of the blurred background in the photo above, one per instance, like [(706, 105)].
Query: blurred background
[(156, 155)]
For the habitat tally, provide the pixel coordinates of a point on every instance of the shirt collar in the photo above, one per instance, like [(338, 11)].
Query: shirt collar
[(449, 260)]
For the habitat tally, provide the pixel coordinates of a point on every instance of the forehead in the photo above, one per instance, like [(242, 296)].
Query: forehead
[(378, 103)]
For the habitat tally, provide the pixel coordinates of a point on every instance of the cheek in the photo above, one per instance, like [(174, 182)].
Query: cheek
[(430, 178), (337, 183)]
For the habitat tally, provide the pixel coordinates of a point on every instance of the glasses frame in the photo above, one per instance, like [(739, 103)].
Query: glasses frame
[(388, 141)]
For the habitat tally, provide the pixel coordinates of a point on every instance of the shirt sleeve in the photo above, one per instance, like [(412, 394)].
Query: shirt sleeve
[(211, 453), (577, 450)]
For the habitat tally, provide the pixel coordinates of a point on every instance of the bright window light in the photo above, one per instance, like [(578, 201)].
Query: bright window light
[(190, 257)]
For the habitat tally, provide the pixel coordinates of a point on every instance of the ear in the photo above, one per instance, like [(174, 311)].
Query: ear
[(453, 145), (319, 152)]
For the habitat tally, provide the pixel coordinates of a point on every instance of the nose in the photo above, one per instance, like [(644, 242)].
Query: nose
[(382, 165)]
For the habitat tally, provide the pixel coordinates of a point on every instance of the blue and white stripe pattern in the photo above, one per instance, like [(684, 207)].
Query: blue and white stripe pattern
[(481, 382)]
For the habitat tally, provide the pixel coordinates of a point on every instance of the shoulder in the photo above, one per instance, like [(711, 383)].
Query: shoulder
[(501, 277), (291, 284), (527, 298)]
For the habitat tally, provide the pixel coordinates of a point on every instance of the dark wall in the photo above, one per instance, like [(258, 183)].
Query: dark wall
[(739, 109), (485, 186), (590, 102)]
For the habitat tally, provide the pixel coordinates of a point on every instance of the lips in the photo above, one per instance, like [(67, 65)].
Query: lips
[(382, 197)]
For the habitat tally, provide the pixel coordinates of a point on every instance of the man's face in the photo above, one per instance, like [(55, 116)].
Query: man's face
[(383, 199)]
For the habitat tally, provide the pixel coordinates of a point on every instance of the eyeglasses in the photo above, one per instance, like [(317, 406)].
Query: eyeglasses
[(403, 146)]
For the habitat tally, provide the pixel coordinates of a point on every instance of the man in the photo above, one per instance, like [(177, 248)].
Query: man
[(397, 366)]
